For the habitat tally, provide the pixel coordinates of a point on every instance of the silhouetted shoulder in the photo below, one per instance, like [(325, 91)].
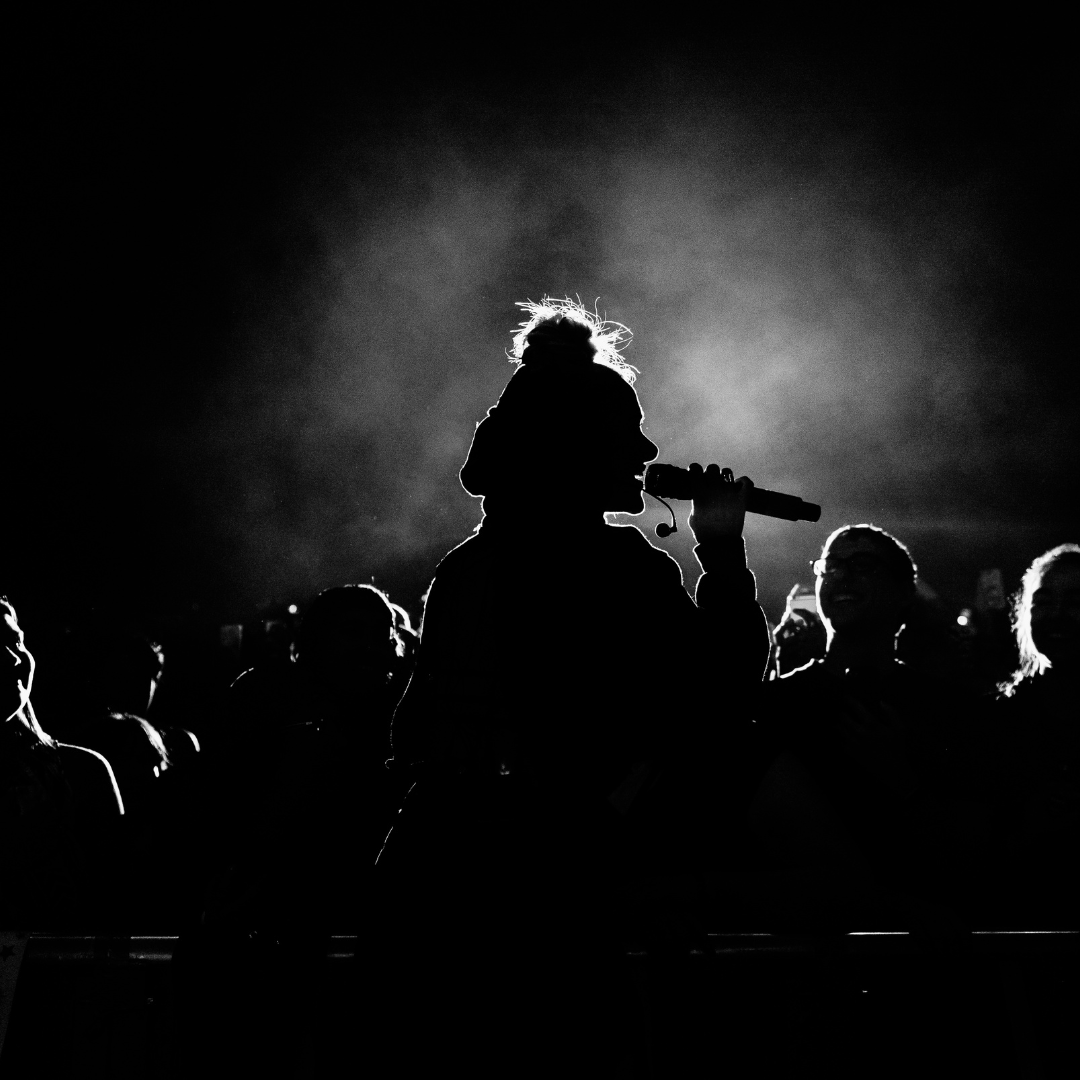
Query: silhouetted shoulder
[(795, 685), (181, 744), (258, 683), (608, 561), (92, 781), (264, 697), (810, 674), (456, 577)]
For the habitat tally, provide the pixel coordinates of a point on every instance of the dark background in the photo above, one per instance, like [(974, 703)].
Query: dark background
[(264, 281)]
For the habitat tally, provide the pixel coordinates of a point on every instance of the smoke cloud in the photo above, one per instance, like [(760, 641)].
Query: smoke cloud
[(813, 305)]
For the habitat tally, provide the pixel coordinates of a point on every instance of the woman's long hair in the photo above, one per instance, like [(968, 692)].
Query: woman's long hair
[(1032, 662)]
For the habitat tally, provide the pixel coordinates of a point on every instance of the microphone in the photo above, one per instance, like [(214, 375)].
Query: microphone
[(671, 482)]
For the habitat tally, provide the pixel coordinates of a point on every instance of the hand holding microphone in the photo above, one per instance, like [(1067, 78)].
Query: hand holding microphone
[(720, 501)]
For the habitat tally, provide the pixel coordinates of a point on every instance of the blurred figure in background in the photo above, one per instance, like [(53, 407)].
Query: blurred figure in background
[(1028, 762), (270, 641), (60, 809), (112, 675), (303, 766), (996, 653), (799, 637), (304, 801), (982, 639), (352, 662), (928, 643)]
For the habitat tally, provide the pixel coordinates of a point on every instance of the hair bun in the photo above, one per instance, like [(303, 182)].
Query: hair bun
[(562, 338), (562, 332)]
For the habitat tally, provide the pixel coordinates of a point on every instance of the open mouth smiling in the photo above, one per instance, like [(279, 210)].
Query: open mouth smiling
[(842, 599)]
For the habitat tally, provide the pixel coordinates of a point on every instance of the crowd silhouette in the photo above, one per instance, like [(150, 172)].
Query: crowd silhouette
[(574, 756)]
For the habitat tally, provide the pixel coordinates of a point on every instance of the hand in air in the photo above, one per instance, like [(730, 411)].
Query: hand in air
[(720, 507)]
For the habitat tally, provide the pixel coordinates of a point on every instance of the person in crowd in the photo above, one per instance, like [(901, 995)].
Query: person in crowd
[(112, 674), (1028, 765), (61, 808), (304, 802), (928, 644), (1046, 622), (325, 719), (864, 778), (566, 690)]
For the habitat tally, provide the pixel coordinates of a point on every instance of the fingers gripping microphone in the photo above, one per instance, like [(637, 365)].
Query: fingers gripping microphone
[(670, 482)]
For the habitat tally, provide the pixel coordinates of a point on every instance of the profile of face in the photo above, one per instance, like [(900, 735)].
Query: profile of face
[(618, 454), (1055, 614), (856, 592), (18, 664)]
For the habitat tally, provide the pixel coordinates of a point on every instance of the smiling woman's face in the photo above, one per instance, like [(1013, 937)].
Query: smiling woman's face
[(856, 590), (18, 665)]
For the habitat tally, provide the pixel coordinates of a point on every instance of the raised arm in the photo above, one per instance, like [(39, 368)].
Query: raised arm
[(736, 630)]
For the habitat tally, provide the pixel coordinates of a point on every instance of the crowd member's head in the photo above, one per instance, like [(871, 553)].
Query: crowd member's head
[(112, 667), (865, 585), (1046, 616), (18, 677), (348, 643), (568, 420)]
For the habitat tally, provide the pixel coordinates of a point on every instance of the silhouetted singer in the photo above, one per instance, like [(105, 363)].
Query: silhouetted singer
[(571, 719)]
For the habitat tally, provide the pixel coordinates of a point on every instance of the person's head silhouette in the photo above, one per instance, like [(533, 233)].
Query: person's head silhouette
[(1046, 615), (865, 588), (568, 420), (348, 646)]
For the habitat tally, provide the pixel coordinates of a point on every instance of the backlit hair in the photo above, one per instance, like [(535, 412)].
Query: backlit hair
[(1032, 662), (898, 559), (26, 715), (335, 606), (606, 338)]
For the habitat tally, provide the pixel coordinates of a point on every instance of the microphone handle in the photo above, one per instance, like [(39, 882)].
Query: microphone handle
[(671, 482), (778, 505)]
